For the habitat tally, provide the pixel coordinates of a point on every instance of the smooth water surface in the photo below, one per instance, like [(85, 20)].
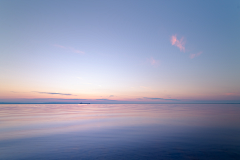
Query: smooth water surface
[(119, 131)]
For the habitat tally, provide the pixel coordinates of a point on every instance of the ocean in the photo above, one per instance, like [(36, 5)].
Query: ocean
[(119, 131)]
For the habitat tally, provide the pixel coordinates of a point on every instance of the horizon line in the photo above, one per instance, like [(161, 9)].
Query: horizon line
[(118, 103)]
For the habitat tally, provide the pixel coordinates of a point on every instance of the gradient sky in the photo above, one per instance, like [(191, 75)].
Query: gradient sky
[(119, 51)]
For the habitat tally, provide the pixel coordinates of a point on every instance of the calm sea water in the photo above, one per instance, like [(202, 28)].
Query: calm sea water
[(119, 131)]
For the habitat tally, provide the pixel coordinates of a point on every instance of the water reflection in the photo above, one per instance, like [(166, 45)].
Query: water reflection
[(115, 130)]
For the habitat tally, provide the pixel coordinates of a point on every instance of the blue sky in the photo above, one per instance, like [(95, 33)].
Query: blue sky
[(120, 51)]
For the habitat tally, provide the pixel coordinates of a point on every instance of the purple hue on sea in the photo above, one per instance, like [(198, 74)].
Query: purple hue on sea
[(119, 131)]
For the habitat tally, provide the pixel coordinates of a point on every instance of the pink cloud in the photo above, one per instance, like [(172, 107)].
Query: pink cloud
[(178, 43), (195, 55), (153, 61)]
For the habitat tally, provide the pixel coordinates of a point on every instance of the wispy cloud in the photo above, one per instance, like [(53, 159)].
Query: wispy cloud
[(14, 92), (195, 55), (73, 99), (178, 43), (181, 45), (232, 93), (64, 94), (76, 51), (111, 96), (161, 99), (59, 46), (70, 49), (153, 61)]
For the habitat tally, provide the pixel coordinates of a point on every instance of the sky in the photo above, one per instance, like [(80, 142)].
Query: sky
[(119, 51)]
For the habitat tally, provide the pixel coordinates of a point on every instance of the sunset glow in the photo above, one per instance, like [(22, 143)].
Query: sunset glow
[(118, 52)]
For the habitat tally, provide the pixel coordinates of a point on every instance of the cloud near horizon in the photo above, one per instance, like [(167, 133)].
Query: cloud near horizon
[(105, 100), (70, 49), (178, 43), (161, 99), (64, 94), (108, 101), (232, 93)]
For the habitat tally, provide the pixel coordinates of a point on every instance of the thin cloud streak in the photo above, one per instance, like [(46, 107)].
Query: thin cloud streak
[(178, 43), (232, 94), (64, 94), (59, 46), (195, 55), (76, 51), (70, 49), (161, 99), (73, 99)]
